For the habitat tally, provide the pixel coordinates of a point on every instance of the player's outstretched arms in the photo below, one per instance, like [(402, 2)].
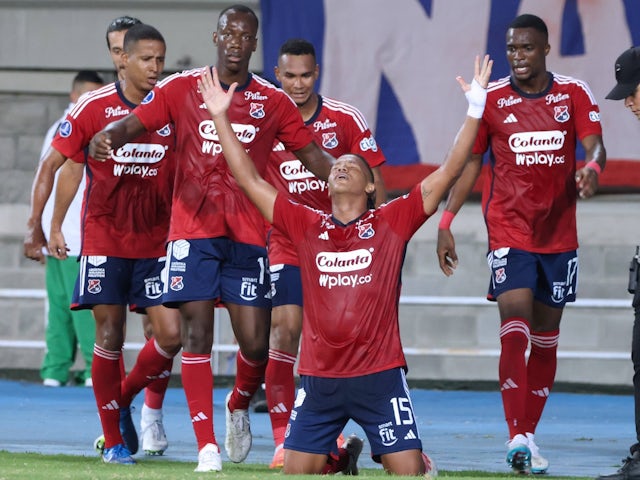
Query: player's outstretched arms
[(34, 239), (115, 135), (261, 193), (436, 185)]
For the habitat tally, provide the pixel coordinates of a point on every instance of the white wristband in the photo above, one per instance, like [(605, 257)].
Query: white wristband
[(477, 97)]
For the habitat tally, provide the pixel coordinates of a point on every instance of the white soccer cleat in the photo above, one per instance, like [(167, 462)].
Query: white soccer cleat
[(209, 459), (518, 454), (154, 438), (539, 464), (238, 438)]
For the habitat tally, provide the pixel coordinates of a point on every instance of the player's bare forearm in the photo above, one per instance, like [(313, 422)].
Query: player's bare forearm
[(316, 160), (595, 161), (115, 135), (461, 189), (261, 193), (34, 239), (435, 186), (68, 182)]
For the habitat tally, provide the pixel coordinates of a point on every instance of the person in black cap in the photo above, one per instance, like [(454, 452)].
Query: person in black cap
[(627, 69), (628, 77)]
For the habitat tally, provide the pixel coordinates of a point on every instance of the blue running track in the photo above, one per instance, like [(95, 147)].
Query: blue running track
[(580, 434)]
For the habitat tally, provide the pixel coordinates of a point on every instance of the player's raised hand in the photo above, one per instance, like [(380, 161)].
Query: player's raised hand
[(476, 92), (481, 74), (215, 97), (100, 146)]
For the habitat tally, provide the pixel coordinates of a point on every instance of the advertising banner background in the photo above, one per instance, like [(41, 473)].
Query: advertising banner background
[(397, 62)]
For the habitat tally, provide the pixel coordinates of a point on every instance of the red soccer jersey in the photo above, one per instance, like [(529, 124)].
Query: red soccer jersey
[(127, 201), (351, 284), (529, 199), (207, 201), (338, 128)]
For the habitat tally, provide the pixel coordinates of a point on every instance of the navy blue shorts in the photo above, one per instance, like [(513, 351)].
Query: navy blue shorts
[(217, 269), (379, 403), (286, 285), (553, 277), (118, 281)]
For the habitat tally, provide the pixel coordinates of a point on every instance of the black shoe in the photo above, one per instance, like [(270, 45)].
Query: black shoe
[(353, 445), (630, 469), (128, 430)]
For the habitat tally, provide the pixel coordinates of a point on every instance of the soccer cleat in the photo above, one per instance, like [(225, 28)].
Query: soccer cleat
[(518, 454), (154, 438), (118, 454), (278, 457), (128, 430), (98, 444), (353, 445), (539, 464), (630, 469), (209, 459), (238, 438)]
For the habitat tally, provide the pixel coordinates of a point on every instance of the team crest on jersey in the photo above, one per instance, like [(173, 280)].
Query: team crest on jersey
[(365, 231), (149, 98), (176, 283), (257, 110), (65, 129), (500, 275), (329, 140), (561, 113), (94, 286), (164, 131)]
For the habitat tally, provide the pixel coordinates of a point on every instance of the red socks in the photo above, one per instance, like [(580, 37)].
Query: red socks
[(105, 372), (280, 390), (512, 372), (249, 375), (152, 363), (155, 391), (541, 372), (197, 380)]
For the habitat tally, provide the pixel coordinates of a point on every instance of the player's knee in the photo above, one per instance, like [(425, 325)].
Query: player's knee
[(170, 344), (284, 338), (254, 351)]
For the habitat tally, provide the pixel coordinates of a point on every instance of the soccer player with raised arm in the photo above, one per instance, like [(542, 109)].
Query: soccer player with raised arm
[(349, 258), (531, 124), (338, 128)]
